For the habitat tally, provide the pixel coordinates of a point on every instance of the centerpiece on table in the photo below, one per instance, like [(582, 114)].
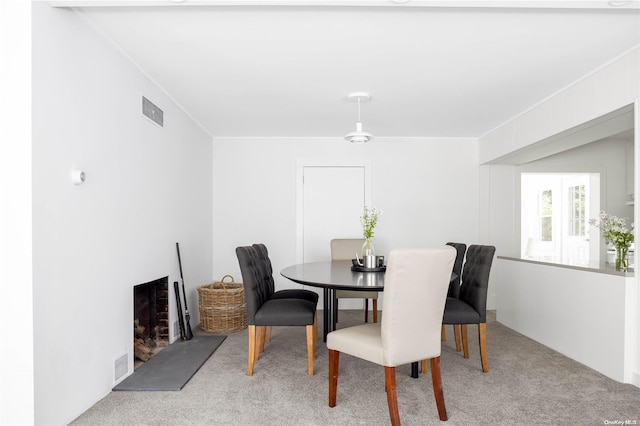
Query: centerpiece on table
[(369, 220), (614, 231)]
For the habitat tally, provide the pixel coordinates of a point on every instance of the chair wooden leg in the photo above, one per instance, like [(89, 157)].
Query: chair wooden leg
[(334, 361), (375, 310), (443, 334), (260, 332), (423, 367), (482, 338), (465, 341), (436, 378), (267, 339), (456, 334), (263, 342), (392, 396), (366, 310), (311, 353), (252, 349)]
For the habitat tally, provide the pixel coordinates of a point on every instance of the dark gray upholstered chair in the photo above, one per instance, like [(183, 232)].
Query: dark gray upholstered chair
[(267, 272), (266, 269), (471, 305), (454, 286), (415, 290), (264, 311)]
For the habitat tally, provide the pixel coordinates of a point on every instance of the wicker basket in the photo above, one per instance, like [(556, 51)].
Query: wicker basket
[(222, 306)]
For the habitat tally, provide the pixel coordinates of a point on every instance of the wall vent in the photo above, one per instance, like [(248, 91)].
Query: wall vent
[(152, 112), (121, 367), (176, 330)]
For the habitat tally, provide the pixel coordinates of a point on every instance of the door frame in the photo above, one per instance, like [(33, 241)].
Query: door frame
[(300, 166)]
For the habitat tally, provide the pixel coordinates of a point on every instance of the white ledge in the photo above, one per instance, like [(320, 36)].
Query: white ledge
[(600, 267)]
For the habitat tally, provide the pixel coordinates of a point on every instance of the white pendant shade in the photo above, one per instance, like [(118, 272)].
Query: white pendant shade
[(359, 136)]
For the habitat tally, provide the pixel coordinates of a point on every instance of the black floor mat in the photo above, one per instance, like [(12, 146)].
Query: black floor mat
[(171, 368)]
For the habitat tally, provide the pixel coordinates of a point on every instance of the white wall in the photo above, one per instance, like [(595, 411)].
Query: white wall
[(16, 302), (613, 86), (554, 297), (427, 189), (146, 188), (497, 220)]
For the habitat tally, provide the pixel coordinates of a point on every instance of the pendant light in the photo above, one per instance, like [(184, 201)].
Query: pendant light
[(359, 136)]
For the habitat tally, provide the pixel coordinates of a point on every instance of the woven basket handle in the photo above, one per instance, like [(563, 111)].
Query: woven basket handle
[(222, 281)]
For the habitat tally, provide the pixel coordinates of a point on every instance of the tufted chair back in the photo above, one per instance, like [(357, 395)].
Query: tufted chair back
[(265, 266), (475, 278), (454, 284), (256, 288)]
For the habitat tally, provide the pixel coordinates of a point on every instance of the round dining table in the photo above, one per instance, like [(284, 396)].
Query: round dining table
[(331, 276)]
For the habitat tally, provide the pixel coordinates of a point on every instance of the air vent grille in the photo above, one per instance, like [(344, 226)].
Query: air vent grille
[(121, 367), (152, 112)]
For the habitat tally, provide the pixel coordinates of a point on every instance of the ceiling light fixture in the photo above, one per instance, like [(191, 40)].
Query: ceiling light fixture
[(359, 136)]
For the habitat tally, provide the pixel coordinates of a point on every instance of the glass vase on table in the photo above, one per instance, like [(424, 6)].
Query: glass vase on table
[(368, 254), (367, 248), (622, 258)]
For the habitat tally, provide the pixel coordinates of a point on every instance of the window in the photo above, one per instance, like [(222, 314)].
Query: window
[(577, 222), (555, 212)]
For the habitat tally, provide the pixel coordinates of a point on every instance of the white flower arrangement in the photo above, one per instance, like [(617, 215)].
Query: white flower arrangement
[(369, 220), (614, 230)]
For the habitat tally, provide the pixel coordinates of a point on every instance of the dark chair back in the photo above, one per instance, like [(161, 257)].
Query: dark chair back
[(266, 269), (454, 284), (475, 278), (256, 288)]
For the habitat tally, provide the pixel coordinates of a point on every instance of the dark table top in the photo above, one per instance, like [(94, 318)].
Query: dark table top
[(335, 274)]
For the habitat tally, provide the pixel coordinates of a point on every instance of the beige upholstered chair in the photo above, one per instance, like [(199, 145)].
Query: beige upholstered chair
[(346, 249), (415, 289)]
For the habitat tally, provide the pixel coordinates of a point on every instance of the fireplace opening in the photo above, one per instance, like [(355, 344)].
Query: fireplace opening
[(150, 319)]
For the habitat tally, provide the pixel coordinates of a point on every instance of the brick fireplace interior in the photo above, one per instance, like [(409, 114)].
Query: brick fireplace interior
[(151, 318)]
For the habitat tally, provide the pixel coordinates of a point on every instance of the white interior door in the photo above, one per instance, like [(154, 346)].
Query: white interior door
[(333, 202), (330, 204)]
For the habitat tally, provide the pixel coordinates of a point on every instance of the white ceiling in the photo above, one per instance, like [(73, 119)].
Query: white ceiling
[(274, 69)]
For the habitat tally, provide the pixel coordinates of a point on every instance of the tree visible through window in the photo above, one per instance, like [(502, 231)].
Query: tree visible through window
[(577, 213), (545, 218)]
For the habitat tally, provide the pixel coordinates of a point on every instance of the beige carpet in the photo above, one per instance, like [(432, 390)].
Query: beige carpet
[(528, 384)]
